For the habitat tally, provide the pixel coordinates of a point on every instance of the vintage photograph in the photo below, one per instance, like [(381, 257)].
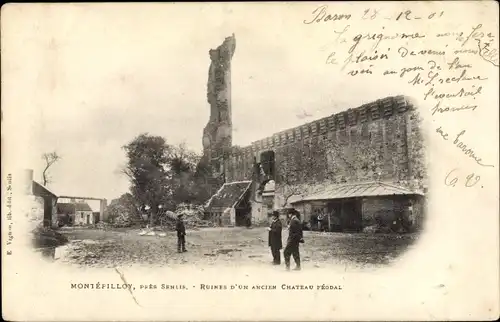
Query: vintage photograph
[(349, 187), (250, 161)]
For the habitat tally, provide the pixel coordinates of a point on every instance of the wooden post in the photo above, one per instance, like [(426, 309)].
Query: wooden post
[(329, 221)]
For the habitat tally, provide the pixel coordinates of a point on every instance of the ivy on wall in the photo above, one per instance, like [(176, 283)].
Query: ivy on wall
[(388, 149)]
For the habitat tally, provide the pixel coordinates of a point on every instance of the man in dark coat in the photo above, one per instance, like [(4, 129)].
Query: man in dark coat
[(295, 237), (275, 238), (181, 234)]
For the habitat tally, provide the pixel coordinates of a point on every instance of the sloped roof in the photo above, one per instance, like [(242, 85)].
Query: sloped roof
[(65, 208), (82, 206), (367, 189), (229, 194), (41, 191), (71, 208)]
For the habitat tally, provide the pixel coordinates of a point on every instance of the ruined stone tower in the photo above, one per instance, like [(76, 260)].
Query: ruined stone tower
[(217, 134)]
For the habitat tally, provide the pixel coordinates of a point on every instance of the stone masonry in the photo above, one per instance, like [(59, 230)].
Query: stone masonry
[(217, 134), (379, 141)]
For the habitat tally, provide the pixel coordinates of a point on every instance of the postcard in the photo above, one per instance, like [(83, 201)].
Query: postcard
[(280, 161)]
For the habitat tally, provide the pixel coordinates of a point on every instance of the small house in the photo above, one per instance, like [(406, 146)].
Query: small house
[(75, 213), (230, 205), (83, 214), (66, 213), (49, 204)]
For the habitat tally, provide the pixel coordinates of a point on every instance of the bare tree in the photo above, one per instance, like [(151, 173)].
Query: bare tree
[(289, 180), (292, 191), (50, 159), (305, 169)]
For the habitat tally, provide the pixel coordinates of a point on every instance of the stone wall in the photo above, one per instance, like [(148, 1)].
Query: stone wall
[(81, 218), (35, 212), (419, 212), (382, 207), (259, 211), (55, 219), (387, 210), (377, 141)]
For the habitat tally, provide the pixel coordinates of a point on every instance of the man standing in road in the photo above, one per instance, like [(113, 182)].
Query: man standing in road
[(181, 234), (295, 238), (275, 238)]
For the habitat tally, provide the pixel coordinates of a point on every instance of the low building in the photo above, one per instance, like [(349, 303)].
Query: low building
[(230, 205), (40, 201), (75, 213), (49, 204), (83, 214), (351, 207), (66, 213)]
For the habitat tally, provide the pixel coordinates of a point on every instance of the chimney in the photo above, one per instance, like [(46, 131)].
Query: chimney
[(27, 181)]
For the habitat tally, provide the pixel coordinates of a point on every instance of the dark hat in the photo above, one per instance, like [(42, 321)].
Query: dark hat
[(276, 213), (179, 215), (294, 212)]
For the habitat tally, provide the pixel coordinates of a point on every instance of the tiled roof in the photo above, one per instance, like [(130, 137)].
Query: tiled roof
[(368, 189), (228, 195), (65, 208)]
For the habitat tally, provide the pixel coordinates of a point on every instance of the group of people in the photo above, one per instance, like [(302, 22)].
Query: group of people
[(295, 238)]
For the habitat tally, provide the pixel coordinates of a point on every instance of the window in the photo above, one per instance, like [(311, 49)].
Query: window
[(81, 215)]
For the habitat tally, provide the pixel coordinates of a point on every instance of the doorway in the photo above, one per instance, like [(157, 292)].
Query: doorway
[(335, 214), (351, 219), (243, 211), (241, 217), (88, 219)]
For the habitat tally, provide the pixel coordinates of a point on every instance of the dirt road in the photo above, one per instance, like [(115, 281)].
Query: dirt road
[(227, 246)]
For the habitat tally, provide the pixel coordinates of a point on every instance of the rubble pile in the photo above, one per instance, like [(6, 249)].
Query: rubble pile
[(121, 216), (192, 215), (166, 220), (103, 225), (122, 220), (85, 252)]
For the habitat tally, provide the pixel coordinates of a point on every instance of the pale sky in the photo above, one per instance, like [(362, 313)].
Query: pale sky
[(89, 78)]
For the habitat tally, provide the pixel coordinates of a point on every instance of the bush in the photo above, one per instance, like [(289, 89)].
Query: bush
[(47, 237)]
